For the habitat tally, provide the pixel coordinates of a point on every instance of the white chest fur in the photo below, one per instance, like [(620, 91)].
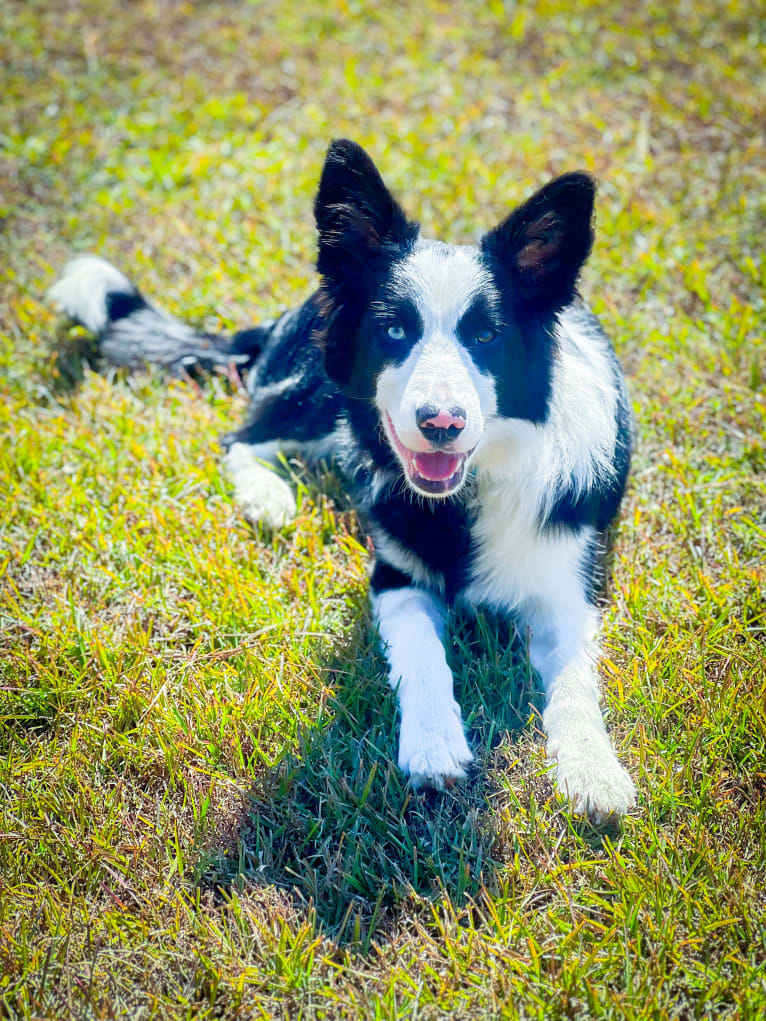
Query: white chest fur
[(517, 564), (522, 468)]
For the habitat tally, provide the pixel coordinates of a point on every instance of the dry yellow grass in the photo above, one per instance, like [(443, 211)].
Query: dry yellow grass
[(199, 813)]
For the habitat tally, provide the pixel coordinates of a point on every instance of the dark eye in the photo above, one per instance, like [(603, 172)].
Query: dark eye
[(486, 336), (396, 332)]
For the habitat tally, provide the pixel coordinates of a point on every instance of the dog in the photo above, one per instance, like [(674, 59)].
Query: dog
[(479, 417)]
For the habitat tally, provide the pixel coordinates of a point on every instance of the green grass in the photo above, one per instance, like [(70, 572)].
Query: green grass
[(199, 814)]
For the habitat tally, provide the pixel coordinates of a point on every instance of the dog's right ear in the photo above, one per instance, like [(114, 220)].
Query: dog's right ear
[(358, 219), (361, 228)]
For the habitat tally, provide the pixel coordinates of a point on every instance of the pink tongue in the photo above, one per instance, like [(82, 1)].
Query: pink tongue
[(436, 467)]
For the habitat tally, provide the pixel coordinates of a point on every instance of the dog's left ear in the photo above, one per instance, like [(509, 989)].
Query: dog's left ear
[(543, 244), (361, 228)]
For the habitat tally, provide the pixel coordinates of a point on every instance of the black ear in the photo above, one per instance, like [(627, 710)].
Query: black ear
[(362, 229), (358, 219), (543, 244)]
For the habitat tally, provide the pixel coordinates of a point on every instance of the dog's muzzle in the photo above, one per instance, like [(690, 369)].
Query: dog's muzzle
[(431, 472)]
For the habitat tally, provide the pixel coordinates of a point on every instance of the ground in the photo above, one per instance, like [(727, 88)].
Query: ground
[(200, 817)]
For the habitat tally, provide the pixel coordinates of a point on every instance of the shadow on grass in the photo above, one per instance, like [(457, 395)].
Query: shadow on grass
[(74, 350), (336, 826)]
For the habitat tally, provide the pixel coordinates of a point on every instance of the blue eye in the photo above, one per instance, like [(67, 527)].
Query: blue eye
[(486, 336), (395, 332)]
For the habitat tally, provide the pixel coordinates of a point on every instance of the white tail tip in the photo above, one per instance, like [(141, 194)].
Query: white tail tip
[(81, 292)]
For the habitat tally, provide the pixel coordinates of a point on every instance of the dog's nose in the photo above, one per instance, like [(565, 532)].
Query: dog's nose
[(440, 425)]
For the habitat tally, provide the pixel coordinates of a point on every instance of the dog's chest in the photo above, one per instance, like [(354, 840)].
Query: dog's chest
[(486, 550), (513, 560), (430, 542), (505, 546)]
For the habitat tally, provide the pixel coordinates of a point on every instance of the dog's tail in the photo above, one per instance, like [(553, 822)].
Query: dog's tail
[(134, 333)]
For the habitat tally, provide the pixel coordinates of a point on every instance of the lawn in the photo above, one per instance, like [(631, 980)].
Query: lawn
[(199, 815)]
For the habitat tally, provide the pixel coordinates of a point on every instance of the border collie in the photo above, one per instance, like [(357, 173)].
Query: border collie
[(479, 418)]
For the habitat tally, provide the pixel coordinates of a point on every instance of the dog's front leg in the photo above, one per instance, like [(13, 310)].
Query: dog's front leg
[(432, 744), (586, 768)]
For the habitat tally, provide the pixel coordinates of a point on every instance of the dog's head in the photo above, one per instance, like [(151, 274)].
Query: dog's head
[(442, 338)]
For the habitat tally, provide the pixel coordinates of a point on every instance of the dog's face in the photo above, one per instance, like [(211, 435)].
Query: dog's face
[(442, 339)]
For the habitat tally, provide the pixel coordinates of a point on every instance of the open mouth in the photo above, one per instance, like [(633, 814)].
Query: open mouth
[(435, 472)]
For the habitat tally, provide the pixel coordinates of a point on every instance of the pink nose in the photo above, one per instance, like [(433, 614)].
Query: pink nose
[(444, 420), (440, 426)]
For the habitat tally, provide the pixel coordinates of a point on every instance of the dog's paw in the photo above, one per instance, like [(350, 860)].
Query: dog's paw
[(260, 493), (433, 749), (273, 505), (594, 782)]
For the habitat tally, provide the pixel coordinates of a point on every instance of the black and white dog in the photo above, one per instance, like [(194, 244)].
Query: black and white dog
[(479, 417)]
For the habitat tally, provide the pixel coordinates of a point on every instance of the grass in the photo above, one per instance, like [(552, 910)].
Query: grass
[(199, 815)]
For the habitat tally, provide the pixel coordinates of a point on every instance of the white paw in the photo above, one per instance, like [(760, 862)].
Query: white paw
[(260, 493), (593, 781), (432, 747), (273, 504)]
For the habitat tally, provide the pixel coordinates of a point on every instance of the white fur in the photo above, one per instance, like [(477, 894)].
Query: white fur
[(537, 575), (518, 567), (586, 769), (441, 280), (438, 371), (515, 561), (432, 745), (583, 411), (258, 490), (521, 469), (81, 292), (575, 445), (585, 766)]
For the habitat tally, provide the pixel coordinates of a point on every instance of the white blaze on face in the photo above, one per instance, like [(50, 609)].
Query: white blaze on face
[(442, 281)]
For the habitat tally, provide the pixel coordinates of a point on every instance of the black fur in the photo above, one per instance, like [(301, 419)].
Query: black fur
[(506, 509), (311, 373), (120, 305), (362, 230), (542, 245)]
